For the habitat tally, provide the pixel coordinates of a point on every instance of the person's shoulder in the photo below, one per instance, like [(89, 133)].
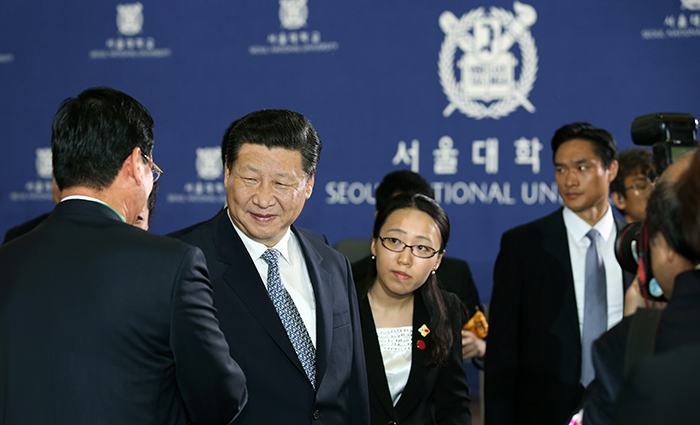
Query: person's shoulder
[(196, 229), (453, 263), (544, 224), (312, 235), (451, 300)]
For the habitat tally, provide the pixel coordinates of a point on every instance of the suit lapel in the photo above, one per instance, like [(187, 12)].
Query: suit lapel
[(418, 379), (556, 243), (243, 278), (320, 281), (376, 375)]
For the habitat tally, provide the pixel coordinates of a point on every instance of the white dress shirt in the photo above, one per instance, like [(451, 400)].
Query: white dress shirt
[(576, 230), (293, 272)]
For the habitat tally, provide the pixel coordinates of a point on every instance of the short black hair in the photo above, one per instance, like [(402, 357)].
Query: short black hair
[(664, 211), (94, 133), (631, 160), (604, 145), (689, 194), (275, 128), (402, 181)]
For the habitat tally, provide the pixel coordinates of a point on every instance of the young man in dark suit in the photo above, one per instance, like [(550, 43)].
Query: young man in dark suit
[(285, 299), (101, 322), (544, 313)]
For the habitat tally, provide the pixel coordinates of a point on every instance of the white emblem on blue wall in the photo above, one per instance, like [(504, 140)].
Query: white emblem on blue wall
[(208, 163), (479, 45), (130, 18), (293, 14)]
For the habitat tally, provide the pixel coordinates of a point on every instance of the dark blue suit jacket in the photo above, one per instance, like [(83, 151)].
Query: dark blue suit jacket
[(103, 323), (279, 391)]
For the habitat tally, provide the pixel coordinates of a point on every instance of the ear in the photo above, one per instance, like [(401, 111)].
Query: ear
[(309, 189), (618, 200), (133, 166), (612, 170), (373, 247), (439, 260)]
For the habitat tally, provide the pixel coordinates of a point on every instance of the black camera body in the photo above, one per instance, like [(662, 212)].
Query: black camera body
[(671, 135)]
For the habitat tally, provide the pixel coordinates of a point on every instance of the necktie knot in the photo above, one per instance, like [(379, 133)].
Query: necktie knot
[(271, 257), (593, 235)]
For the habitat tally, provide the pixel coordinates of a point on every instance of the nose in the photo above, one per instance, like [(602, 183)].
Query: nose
[(264, 197), (571, 178), (405, 256)]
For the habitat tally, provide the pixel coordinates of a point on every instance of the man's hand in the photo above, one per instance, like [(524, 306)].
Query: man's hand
[(472, 346), (634, 299)]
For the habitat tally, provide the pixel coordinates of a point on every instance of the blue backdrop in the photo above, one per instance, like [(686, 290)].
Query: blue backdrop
[(467, 93)]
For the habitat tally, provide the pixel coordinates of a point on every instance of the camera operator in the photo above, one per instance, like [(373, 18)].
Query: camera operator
[(663, 388), (673, 260)]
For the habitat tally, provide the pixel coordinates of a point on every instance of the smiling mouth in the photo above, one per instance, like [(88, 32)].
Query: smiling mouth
[(263, 218)]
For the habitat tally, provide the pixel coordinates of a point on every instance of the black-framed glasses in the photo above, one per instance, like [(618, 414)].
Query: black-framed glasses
[(397, 245), (641, 187), (157, 172)]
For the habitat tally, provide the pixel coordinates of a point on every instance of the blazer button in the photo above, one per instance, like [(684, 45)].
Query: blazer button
[(316, 414)]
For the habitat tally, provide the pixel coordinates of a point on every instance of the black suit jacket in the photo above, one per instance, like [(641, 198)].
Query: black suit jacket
[(278, 387), (23, 228), (103, 323), (437, 395), (533, 363), (679, 326), (662, 389)]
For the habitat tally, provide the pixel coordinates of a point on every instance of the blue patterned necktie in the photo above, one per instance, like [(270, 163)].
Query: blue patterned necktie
[(289, 315), (595, 314)]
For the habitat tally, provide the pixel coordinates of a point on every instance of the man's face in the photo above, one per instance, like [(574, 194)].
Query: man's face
[(266, 190), (634, 200), (582, 179)]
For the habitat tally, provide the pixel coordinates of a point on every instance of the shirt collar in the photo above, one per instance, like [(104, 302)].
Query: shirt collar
[(579, 228), (256, 249), (90, 198)]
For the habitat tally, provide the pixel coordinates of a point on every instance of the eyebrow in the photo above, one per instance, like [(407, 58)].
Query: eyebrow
[(404, 232), (575, 162)]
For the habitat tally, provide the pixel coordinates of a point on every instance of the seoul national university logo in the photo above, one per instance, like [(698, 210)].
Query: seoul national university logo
[(208, 163), (488, 87), (690, 4), (293, 14), (130, 18), (44, 167)]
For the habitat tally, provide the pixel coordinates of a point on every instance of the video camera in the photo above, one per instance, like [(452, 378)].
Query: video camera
[(671, 135)]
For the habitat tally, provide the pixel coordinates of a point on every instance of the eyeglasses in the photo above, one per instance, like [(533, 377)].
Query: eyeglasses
[(157, 172), (641, 188), (396, 245)]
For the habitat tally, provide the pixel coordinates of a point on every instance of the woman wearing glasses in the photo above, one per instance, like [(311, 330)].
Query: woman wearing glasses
[(411, 329)]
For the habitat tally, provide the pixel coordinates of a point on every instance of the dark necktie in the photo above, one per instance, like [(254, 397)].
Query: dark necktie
[(289, 315), (595, 314)]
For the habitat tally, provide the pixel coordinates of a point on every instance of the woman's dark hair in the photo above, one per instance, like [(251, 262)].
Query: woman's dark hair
[(441, 330)]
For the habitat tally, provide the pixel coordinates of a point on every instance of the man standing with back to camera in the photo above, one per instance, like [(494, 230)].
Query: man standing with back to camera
[(557, 287), (101, 322), (285, 299)]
